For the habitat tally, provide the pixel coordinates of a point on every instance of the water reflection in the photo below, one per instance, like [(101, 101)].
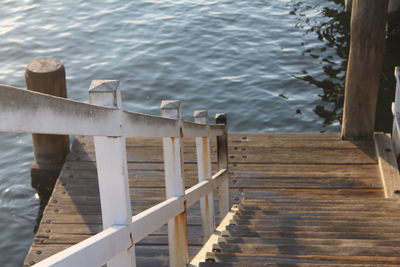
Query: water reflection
[(332, 29)]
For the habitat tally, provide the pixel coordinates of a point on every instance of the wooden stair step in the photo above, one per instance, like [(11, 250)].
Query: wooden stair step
[(309, 241), (354, 214), (228, 257), (307, 234), (311, 222), (365, 208), (317, 217), (266, 264), (295, 249)]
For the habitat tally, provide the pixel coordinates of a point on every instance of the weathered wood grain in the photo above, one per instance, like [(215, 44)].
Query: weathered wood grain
[(302, 181), (387, 165), (367, 50)]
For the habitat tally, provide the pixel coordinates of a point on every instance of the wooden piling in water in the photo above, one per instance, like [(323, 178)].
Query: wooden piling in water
[(222, 157), (47, 75), (367, 43)]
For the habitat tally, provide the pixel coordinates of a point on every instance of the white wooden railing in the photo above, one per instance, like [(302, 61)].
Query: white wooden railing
[(31, 112)]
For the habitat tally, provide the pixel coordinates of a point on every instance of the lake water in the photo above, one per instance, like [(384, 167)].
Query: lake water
[(272, 65)]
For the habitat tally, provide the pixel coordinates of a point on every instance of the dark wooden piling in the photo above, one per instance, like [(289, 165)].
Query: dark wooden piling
[(47, 75), (222, 160), (368, 20)]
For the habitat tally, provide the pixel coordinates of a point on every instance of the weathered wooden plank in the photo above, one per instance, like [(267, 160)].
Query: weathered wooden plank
[(73, 169), (319, 228), (43, 251), (304, 170), (327, 201), (387, 165), (305, 218), (332, 250), (310, 193), (366, 208), (227, 257), (310, 241), (297, 185), (282, 264), (154, 239), (90, 229), (310, 222), (294, 259), (247, 137), (318, 235), (258, 155)]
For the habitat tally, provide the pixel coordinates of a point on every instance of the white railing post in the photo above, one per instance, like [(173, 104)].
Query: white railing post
[(205, 173), (396, 114), (222, 151), (175, 187), (112, 169)]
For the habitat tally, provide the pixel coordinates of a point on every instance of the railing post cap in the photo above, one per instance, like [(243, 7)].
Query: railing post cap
[(44, 65), (397, 72), (103, 86), (170, 104), (221, 117), (200, 114)]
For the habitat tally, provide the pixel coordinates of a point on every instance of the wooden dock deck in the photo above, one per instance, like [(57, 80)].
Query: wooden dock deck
[(304, 179)]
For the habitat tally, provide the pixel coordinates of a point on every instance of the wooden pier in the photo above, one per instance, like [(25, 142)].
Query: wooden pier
[(143, 190), (307, 198)]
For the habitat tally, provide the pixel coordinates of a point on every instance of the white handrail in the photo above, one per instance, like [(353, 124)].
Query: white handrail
[(26, 111)]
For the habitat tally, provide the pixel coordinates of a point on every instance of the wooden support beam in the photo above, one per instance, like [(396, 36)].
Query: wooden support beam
[(367, 43), (47, 75), (222, 154)]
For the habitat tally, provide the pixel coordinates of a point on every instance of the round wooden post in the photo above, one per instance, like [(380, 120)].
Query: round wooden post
[(367, 43), (47, 75)]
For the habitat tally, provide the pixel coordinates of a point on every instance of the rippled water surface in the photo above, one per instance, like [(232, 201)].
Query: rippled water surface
[(272, 65)]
